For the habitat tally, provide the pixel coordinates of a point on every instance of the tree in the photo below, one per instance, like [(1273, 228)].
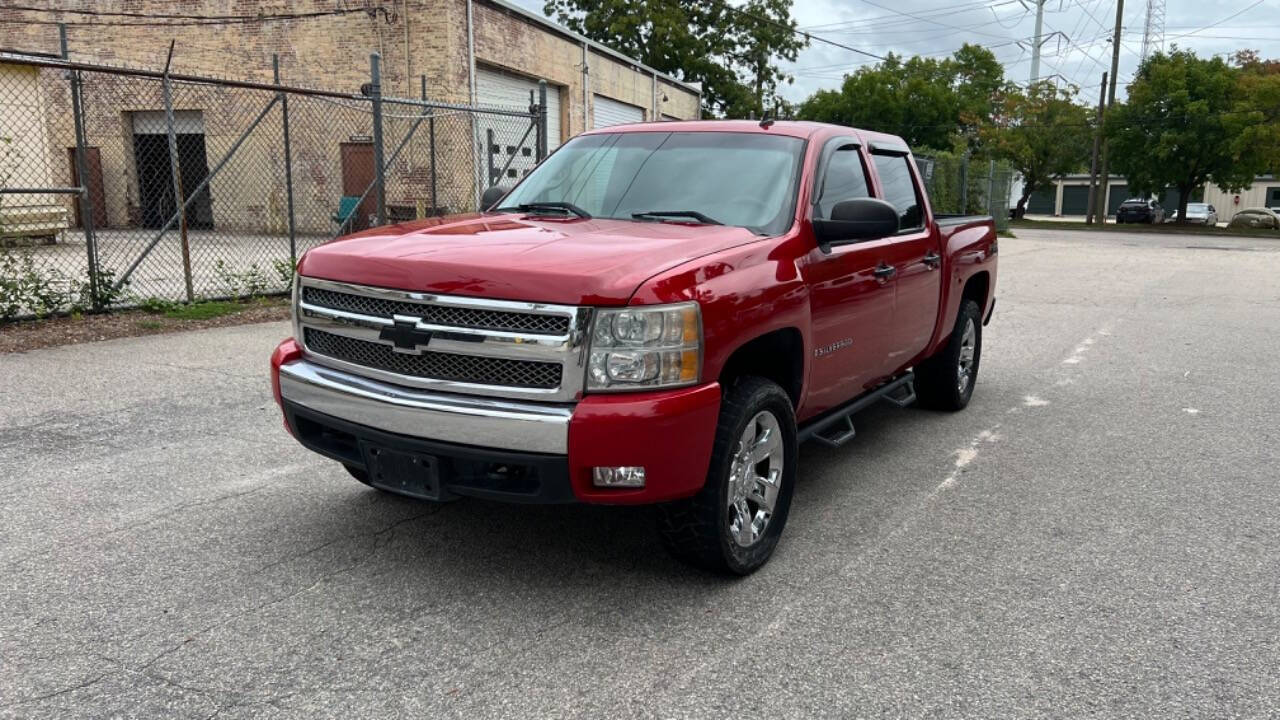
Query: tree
[(1042, 132), (1177, 128), (932, 103), (730, 51), (1256, 119)]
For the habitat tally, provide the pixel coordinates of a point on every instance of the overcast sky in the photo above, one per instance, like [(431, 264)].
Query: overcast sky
[(1079, 53)]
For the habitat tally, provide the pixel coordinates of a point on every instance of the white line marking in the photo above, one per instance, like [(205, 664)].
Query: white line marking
[(964, 456), (1191, 411), (1034, 401)]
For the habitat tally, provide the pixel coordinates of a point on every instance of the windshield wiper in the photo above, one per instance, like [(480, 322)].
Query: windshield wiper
[(563, 208), (660, 214)]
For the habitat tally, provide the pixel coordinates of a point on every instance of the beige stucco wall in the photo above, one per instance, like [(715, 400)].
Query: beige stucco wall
[(26, 157)]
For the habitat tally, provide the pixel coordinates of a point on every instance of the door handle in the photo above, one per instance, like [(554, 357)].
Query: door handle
[(933, 259), (883, 271)]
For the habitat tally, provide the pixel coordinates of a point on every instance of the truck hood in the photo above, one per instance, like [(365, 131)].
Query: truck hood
[(513, 257)]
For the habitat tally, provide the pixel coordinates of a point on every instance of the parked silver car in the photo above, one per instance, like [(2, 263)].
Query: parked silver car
[(1197, 214)]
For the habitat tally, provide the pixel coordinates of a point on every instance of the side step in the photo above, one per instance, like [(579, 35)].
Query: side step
[(835, 427)]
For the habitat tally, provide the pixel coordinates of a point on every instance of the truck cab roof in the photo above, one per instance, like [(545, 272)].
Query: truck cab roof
[(792, 128)]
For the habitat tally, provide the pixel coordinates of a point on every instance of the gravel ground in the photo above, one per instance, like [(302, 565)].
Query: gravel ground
[(1097, 535)]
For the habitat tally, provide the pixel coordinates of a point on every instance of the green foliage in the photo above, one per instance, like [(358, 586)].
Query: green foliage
[(1041, 132), (156, 305), (932, 103), (25, 289), (1178, 129), (108, 293), (1256, 120), (285, 270), (730, 52), (204, 310), (241, 283), (949, 174)]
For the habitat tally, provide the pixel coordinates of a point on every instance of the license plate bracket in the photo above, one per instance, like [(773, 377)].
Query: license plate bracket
[(406, 473)]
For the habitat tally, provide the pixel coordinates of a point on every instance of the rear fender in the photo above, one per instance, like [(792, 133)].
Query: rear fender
[(968, 250)]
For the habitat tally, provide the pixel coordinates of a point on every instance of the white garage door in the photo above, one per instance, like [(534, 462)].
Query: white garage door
[(513, 153), (511, 92), (606, 111)]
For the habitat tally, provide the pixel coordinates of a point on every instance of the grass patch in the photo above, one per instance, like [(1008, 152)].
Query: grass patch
[(150, 324), (1163, 229), (1005, 234), (205, 310)]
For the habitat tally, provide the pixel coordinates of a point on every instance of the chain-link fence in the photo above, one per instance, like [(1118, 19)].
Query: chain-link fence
[(126, 186), (961, 184)]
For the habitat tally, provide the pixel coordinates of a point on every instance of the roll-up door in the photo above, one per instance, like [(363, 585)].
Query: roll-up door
[(513, 152), (1042, 201), (1075, 199), (606, 112)]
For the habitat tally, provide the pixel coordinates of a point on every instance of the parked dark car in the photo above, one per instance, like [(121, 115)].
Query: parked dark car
[(1140, 211)]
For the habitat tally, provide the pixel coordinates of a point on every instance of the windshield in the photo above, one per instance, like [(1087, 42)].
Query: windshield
[(742, 179), (1197, 207)]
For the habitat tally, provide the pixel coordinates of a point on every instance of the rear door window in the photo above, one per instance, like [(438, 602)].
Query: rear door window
[(900, 190)]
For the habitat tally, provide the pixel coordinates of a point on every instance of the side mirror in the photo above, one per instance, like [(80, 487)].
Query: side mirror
[(854, 220), (490, 197)]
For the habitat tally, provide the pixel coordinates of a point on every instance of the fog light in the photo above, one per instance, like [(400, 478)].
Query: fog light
[(626, 476)]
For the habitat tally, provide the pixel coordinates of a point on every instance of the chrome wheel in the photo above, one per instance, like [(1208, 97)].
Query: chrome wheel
[(755, 477), (968, 342)]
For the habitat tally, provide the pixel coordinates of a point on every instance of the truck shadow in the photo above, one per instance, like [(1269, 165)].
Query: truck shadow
[(475, 541)]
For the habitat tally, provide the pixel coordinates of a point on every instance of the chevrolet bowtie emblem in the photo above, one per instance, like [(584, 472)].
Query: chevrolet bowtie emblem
[(405, 337)]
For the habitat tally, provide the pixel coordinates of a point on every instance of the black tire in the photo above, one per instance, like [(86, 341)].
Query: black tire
[(698, 529), (938, 381)]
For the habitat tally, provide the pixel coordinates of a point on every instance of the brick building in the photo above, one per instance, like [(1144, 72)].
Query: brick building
[(475, 52)]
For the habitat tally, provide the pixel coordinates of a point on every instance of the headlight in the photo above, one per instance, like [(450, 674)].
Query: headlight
[(641, 348)]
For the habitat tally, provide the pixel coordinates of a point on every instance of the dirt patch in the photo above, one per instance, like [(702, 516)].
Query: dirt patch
[(32, 334)]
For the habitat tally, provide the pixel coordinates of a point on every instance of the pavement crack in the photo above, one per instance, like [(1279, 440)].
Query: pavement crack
[(62, 691)]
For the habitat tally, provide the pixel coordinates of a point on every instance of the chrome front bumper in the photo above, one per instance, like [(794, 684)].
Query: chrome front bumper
[(487, 422)]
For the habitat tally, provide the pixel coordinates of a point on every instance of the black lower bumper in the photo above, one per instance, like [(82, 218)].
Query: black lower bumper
[(450, 469)]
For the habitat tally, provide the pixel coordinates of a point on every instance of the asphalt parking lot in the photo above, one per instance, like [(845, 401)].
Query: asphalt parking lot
[(1097, 535)]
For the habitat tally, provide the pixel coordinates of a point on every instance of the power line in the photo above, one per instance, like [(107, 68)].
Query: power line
[(925, 19), (1233, 15), (887, 21), (793, 30), (963, 7)]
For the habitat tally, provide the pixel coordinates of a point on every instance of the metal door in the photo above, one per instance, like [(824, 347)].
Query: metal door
[(97, 198), (357, 176)]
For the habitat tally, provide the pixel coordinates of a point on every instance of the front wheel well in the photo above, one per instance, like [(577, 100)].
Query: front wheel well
[(777, 356)]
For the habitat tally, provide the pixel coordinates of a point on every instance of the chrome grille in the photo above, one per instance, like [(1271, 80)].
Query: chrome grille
[(477, 318), (474, 369)]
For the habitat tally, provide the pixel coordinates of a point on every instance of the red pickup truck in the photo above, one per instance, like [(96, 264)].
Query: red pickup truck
[(658, 313)]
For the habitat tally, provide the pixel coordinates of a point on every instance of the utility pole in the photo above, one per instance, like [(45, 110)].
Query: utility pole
[(1111, 100), (1097, 141), (1038, 41)]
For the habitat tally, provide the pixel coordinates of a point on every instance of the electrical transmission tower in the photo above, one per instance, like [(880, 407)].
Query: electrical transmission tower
[(1153, 30)]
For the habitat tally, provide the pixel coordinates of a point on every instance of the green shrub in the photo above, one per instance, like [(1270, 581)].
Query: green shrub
[(241, 283), (24, 287)]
